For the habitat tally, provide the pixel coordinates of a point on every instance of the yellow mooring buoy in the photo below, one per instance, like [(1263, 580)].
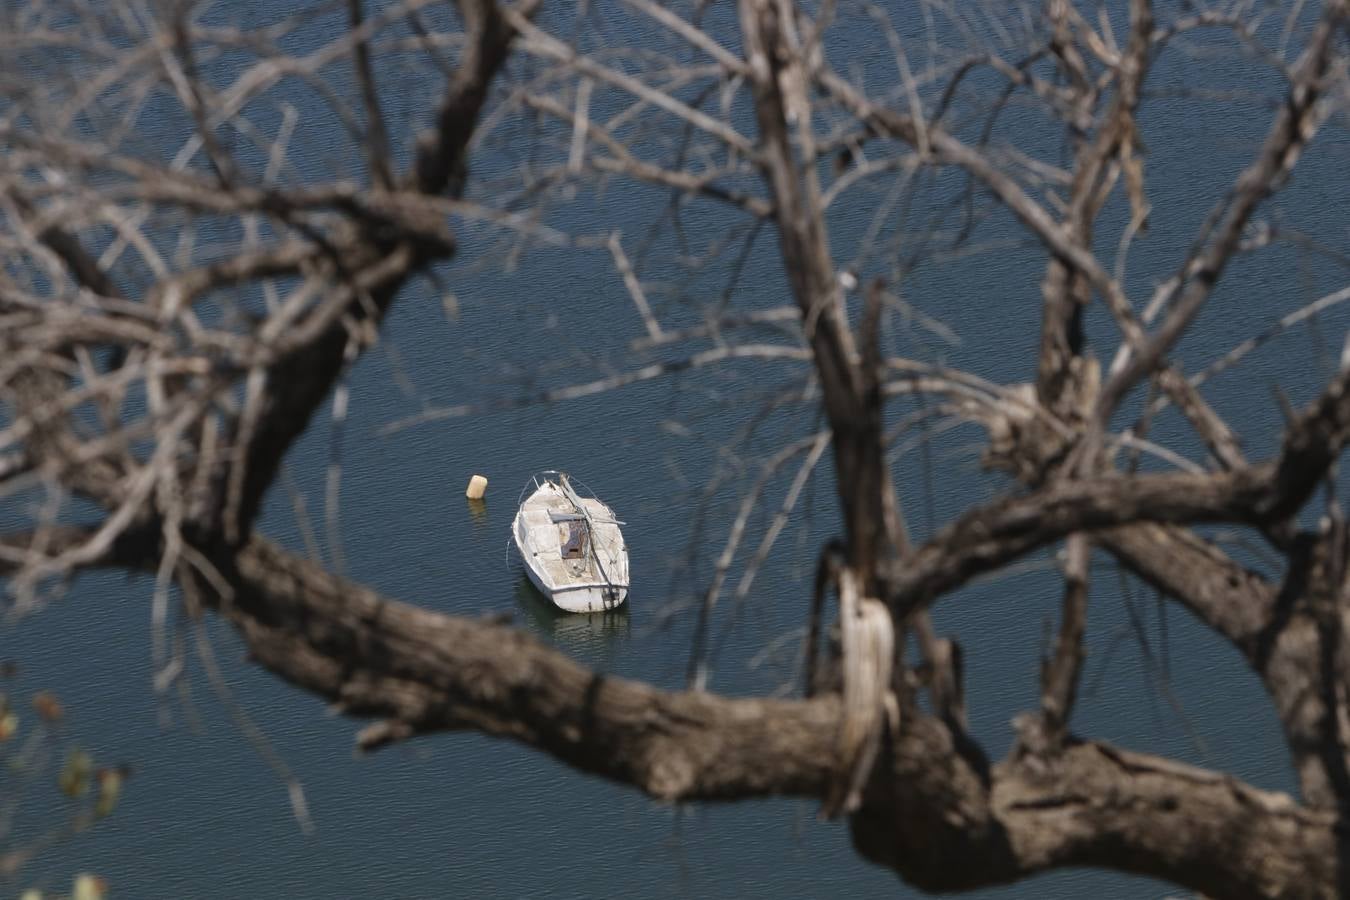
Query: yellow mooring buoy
[(477, 488)]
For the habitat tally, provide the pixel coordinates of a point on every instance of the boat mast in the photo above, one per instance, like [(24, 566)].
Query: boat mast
[(585, 513)]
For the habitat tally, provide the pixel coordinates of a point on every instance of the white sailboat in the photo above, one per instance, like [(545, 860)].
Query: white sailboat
[(571, 545)]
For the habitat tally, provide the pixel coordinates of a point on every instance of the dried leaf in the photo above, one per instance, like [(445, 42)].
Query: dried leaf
[(74, 778), (1132, 164), (47, 706), (109, 789), (89, 887)]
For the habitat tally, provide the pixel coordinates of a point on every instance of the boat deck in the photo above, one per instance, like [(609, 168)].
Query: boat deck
[(547, 537)]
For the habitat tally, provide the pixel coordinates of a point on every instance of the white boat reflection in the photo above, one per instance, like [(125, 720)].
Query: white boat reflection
[(574, 631)]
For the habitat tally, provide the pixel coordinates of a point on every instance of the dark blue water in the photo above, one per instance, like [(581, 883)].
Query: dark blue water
[(464, 816)]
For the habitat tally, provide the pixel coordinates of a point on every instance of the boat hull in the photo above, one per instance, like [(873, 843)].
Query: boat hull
[(593, 576), (576, 600)]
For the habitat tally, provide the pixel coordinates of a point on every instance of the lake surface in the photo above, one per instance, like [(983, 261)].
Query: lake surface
[(464, 816)]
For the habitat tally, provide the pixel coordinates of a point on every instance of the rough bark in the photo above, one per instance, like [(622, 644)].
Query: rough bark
[(934, 810), (1093, 805), (377, 657)]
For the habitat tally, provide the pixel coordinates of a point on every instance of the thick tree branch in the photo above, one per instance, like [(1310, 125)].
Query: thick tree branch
[(1312, 443), (987, 537), (1234, 601), (376, 657), (1200, 829), (931, 811), (1093, 805)]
